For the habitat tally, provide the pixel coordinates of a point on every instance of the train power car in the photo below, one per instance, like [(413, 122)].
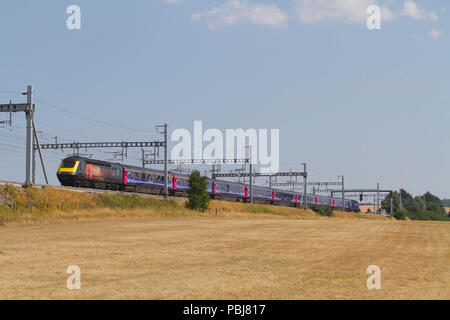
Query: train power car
[(88, 173)]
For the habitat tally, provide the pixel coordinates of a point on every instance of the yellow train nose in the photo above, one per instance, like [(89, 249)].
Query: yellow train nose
[(68, 167)]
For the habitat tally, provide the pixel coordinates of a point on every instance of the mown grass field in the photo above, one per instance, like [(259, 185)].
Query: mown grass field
[(163, 251)]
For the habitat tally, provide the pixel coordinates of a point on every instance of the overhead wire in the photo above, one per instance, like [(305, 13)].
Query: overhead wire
[(89, 118)]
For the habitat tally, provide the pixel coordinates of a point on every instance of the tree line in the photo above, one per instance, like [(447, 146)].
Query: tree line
[(425, 207)]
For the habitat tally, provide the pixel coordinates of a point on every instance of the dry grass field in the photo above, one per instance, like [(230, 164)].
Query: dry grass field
[(230, 257)]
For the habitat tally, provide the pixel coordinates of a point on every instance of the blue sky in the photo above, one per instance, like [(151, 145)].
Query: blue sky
[(371, 105)]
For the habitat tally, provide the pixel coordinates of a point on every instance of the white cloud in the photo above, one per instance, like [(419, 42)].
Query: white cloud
[(354, 11), (238, 11), (307, 11), (321, 11), (196, 16), (387, 14), (434, 16), (435, 34), (412, 10)]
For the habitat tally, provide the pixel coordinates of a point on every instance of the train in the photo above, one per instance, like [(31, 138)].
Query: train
[(83, 172)]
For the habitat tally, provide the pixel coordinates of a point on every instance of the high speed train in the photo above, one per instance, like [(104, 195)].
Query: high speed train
[(89, 173)]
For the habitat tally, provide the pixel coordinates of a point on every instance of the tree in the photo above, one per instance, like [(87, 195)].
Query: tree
[(386, 203), (198, 196)]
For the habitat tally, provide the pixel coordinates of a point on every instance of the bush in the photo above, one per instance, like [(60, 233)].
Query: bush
[(198, 196), (400, 214), (325, 211)]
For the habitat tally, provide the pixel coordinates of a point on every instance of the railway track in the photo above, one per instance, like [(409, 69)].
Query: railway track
[(90, 190)]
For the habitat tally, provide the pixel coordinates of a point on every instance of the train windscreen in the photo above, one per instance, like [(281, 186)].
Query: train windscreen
[(67, 164)]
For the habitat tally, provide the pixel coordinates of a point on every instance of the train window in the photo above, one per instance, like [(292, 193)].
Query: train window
[(235, 189), (68, 164)]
